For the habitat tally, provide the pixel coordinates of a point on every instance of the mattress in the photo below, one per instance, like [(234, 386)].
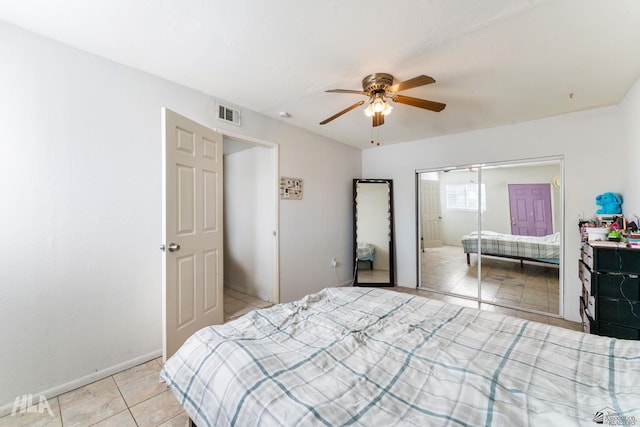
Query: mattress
[(365, 252), (509, 245), (365, 357)]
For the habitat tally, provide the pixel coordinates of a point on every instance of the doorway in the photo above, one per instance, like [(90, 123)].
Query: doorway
[(481, 258), (250, 212), (195, 231)]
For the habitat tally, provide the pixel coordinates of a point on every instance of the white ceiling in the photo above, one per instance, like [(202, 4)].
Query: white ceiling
[(495, 61)]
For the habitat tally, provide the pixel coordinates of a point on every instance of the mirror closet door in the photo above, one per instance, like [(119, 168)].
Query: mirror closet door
[(511, 214), (447, 211)]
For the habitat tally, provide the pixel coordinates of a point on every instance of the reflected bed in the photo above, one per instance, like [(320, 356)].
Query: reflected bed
[(366, 252), (365, 357), (524, 248)]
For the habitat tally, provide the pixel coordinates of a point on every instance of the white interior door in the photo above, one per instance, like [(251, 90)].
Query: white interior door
[(192, 229), (431, 214)]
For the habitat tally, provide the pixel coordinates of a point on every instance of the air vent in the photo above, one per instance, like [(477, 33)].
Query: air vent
[(229, 114)]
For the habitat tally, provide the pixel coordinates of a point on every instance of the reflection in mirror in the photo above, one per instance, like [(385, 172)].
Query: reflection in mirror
[(517, 209), (373, 232)]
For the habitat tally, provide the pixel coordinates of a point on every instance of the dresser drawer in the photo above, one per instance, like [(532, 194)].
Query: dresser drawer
[(615, 331), (620, 312), (586, 256), (610, 296), (586, 276), (588, 325), (618, 286), (589, 302), (611, 259)]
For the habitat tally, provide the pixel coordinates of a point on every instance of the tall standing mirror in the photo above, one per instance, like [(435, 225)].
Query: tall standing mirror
[(373, 232)]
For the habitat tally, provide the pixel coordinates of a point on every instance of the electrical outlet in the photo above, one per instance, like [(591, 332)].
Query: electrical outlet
[(334, 262)]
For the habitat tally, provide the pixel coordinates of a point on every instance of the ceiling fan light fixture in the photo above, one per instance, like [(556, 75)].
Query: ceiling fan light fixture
[(369, 111), (378, 104)]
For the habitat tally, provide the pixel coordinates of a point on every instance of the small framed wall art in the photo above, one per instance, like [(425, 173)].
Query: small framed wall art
[(290, 188)]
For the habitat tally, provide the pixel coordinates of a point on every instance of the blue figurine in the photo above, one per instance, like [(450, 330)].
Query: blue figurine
[(611, 203)]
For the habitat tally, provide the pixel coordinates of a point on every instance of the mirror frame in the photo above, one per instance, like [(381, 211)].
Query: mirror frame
[(391, 281)]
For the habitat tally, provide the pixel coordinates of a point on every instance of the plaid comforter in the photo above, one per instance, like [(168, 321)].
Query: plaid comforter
[(509, 245), (372, 357)]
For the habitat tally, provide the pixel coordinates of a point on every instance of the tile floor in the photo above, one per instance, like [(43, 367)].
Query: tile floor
[(373, 276), (532, 286), (134, 397), (237, 303)]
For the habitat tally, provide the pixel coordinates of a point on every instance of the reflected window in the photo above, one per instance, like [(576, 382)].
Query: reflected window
[(465, 196)]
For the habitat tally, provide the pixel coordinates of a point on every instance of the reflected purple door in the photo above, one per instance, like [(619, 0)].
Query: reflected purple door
[(530, 206)]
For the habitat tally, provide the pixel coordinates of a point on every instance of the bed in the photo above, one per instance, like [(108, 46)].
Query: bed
[(524, 248), (369, 357)]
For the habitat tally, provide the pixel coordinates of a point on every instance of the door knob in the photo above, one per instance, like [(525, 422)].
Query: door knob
[(173, 247)]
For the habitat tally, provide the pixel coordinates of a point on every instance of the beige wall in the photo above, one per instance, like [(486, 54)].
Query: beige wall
[(627, 155), (249, 218), (81, 209)]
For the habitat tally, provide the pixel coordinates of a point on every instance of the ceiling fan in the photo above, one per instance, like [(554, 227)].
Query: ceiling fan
[(379, 88)]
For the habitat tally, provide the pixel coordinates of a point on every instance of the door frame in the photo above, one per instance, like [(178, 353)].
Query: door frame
[(275, 159)]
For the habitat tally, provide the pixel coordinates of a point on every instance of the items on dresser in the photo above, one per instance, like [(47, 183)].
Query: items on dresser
[(610, 301), (601, 226)]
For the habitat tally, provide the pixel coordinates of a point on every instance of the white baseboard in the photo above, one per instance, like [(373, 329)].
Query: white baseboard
[(87, 379)]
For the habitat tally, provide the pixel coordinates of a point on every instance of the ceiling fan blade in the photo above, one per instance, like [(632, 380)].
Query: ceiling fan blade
[(346, 110), (378, 119), (420, 103), (357, 92), (411, 83)]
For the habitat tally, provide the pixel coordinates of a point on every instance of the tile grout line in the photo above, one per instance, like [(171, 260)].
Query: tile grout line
[(125, 402), (60, 412)]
